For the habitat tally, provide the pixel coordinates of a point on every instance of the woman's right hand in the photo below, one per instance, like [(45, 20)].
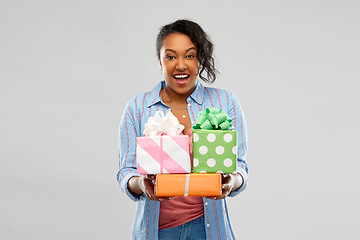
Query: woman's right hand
[(144, 184)]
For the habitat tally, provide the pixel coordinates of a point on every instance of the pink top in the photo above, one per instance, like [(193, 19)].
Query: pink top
[(180, 210)]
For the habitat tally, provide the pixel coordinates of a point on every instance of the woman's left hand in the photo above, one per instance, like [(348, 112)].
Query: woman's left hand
[(229, 183)]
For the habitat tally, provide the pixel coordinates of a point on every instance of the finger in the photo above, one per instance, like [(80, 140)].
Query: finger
[(212, 198), (149, 187), (154, 197), (151, 176), (225, 187), (217, 197), (226, 178), (165, 198), (220, 197), (225, 175)]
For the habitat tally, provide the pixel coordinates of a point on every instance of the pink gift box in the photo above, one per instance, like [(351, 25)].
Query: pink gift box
[(163, 154)]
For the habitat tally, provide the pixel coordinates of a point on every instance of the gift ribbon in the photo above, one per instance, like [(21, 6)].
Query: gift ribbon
[(213, 119), (163, 124), (187, 183), (161, 155)]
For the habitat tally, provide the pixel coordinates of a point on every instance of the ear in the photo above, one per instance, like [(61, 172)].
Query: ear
[(200, 67), (160, 67)]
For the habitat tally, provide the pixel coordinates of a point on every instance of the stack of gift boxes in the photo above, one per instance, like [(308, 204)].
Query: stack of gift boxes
[(166, 153)]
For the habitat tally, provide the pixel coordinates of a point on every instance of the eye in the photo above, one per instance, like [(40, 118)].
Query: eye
[(170, 57), (190, 56)]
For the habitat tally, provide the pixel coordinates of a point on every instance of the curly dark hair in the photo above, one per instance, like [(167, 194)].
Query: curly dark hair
[(201, 41)]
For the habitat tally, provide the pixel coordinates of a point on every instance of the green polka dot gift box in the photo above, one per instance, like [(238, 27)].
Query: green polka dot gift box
[(214, 151), (214, 144)]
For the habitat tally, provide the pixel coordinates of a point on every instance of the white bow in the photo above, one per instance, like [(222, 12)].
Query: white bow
[(160, 124)]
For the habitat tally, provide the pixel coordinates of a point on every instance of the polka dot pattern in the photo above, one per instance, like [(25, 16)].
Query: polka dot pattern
[(214, 151), (211, 137), (234, 150), (227, 162), (211, 162), (219, 150), (227, 137), (195, 162), (203, 149), (195, 137)]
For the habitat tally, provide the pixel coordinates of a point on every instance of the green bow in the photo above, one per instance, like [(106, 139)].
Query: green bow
[(213, 119)]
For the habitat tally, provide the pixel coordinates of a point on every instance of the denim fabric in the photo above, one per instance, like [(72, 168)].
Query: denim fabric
[(193, 230)]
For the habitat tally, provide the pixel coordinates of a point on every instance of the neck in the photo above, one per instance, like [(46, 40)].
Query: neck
[(176, 97)]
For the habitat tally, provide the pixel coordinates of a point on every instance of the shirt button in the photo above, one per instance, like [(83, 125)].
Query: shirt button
[(206, 203), (189, 104), (208, 225)]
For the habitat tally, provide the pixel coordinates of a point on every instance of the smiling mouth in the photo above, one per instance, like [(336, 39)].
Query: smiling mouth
[(181, 77)]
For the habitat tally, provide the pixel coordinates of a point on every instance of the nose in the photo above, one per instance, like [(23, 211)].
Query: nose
[(181, 64)]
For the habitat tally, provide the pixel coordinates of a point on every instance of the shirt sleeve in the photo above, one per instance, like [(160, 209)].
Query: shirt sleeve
[(128, 131), (239, 123)]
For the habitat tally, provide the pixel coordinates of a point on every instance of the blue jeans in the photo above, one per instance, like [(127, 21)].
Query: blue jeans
[(193, 230)]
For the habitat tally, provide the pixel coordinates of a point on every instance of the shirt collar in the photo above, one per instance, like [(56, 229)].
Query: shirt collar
[(197, 95)]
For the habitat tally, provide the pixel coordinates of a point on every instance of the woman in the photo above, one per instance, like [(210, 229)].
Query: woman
[(185, 53)]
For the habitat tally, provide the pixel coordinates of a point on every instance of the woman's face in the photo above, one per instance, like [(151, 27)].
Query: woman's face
[(179, 63)]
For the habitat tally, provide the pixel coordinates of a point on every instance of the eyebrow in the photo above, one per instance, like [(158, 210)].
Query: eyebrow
[(192, 48)]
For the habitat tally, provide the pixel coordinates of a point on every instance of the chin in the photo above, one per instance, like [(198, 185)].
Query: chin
[(183, 87), (184, 90)]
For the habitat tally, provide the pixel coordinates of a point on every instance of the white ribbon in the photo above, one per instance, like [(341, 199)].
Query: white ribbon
[(187, 181), (160, 124)]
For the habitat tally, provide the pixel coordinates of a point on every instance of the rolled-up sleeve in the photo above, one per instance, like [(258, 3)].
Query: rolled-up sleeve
[(236, 113), (128, 131)]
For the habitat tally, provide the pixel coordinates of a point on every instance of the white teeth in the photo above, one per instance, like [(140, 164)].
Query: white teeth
[(181, 76)]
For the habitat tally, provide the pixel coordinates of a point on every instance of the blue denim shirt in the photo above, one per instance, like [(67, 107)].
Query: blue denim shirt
[(136, 114)]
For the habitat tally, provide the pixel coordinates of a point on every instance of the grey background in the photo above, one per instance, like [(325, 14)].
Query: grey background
[(69, 67)]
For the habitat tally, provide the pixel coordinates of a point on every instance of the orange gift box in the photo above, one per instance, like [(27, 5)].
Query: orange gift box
[(193, 184)]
